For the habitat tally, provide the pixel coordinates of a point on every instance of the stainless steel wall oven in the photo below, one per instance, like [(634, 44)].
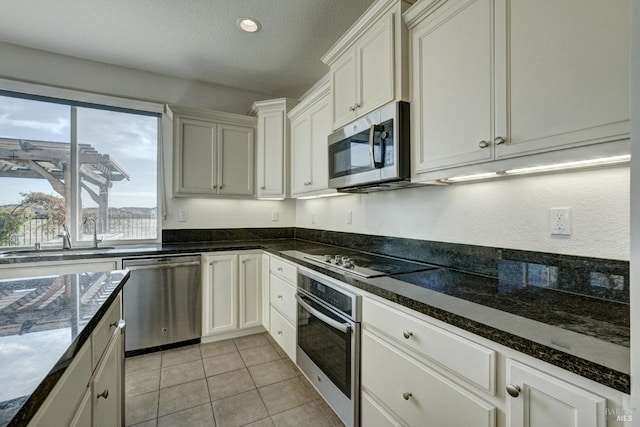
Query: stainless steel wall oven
[(328, 349)]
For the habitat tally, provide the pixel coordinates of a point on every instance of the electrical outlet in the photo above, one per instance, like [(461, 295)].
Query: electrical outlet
[(560, 221), (182, 216), (349, 217), (275, 216)]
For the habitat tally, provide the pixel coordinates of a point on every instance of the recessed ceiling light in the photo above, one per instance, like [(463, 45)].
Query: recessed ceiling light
[(249, 25)]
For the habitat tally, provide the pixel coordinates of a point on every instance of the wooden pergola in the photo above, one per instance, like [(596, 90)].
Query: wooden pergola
[(21, 158)]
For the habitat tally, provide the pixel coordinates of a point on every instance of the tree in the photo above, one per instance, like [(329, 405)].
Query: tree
[(33, 204)]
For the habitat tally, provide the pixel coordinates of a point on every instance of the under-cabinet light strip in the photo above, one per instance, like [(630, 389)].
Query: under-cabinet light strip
[(604, 161)]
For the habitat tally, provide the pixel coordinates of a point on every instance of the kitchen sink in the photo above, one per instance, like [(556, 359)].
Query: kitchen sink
[(28, 253)]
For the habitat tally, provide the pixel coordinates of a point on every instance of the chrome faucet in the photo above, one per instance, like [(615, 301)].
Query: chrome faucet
[(66, 237), (95, 230)]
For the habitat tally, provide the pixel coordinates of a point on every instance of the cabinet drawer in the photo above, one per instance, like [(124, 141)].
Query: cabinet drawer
[(284, 333), (104, 331), (465, 358), (414, 392), (283, 269), (283, 297)]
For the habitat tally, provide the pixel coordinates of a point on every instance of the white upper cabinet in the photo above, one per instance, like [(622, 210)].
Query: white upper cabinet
[(368, 65), (213, 153), (310, 127), (273, 147), (514, 83), (452, 74)]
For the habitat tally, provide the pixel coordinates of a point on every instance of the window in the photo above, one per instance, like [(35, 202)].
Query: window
[(62, 162)]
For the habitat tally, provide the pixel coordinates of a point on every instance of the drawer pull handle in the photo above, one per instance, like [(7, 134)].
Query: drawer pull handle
[(279, 332), (279, 268), (407, 334), (513, 390), (406, 395), (279, 297), (104, 394)]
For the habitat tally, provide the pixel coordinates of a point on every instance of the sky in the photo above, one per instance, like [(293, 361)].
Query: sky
[(129, 139)]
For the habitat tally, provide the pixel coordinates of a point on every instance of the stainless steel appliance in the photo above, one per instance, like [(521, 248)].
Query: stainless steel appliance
[(367, 265), (328, 349), (373, 152), (162, 303)]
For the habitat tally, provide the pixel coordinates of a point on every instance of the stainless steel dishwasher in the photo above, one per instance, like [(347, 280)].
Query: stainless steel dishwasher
[(162, 303)]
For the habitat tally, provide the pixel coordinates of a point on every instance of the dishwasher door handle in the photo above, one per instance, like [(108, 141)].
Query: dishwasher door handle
[(161, 266)]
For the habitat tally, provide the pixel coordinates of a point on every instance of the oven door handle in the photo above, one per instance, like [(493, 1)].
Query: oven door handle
[(345, 328)]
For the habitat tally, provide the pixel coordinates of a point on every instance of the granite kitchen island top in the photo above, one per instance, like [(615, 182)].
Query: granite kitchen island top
[(567, 311), (44, 321)]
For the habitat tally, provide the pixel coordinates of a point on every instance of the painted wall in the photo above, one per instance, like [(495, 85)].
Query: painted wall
[(34, 66), (510, 213)]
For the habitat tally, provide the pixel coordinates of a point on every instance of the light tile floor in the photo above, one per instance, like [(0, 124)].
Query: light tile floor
[(247, 381)]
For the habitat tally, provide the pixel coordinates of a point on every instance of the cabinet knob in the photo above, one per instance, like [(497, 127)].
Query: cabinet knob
[(279, 269), (215, 187), (279, 296), (483, 144), (407, 395), (407, 334), (352, 108), (513, 390), (113, 325), (279, 332), (358, 105), (263, 188), (104, 394), (499, 140)]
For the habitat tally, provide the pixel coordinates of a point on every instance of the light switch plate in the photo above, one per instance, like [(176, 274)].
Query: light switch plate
[(182, 216)]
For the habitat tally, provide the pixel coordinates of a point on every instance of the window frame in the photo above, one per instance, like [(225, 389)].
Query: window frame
[(89, 100)]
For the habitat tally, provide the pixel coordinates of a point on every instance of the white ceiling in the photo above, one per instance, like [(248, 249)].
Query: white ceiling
[(193, 39)]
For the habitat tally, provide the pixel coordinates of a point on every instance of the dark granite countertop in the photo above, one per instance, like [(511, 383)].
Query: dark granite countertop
[(540, 316), (44, 321)]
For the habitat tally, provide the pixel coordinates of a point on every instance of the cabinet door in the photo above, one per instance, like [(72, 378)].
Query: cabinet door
[(250, 285), (271, 154), (547, 401), (107, 386), (235, 172), (562, 73), (301, 154), (220, 294), (452, 74), (344, 89), (320, 127), (376, 66), (265, 291), (196, 157)]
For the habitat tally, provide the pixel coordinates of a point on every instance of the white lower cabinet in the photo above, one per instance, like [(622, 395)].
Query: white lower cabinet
[(90, 393), (540, 400), (231, 292), (416, 394), (283, 306), (107, 387)]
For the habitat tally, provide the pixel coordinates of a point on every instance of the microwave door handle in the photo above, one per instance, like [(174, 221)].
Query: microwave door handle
[(372, 131), (342, 327), (372, 157)]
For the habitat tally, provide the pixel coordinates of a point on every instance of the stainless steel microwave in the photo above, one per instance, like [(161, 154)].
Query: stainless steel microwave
[(373, 152)]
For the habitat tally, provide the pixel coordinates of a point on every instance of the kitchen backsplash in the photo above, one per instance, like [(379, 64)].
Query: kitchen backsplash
[(593, 277)]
